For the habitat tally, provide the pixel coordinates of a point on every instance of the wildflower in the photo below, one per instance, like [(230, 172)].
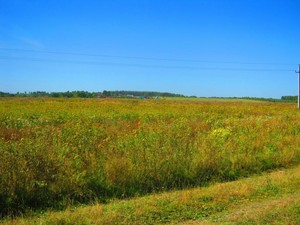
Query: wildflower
[(221, 132)]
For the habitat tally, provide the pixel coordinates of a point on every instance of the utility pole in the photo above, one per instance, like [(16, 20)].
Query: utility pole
[(298, 87)]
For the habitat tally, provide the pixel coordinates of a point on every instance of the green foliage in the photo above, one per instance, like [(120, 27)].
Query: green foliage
[(86, 94), (290, 98), (148, 94), (4, 94)]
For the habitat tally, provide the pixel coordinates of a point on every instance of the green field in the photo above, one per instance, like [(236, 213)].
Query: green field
[(58, 153)]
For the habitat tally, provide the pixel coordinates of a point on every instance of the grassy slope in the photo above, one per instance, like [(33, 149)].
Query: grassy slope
[(272, 198)]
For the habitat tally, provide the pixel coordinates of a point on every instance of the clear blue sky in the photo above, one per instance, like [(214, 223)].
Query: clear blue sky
[(221, 47)]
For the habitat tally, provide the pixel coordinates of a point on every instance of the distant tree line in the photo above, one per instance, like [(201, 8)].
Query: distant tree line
[(282, 99), (290, 98), (128, 94), (252, 98), (86, 94), (147, 94), (67, 94), (4, 94)]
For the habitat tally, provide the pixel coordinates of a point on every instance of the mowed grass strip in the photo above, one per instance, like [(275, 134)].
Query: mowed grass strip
[(272, 198)]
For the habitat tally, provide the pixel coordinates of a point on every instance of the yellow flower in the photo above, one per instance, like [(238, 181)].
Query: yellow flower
[(221, 132)]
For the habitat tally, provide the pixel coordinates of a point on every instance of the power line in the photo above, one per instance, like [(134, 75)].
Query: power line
[(144, 58), (140, 65)]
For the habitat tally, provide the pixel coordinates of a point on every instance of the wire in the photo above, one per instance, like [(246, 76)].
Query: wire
[(143, 58), (140, 65)]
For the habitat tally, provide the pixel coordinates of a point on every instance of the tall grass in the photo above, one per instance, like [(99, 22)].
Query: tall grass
[(55, 152)]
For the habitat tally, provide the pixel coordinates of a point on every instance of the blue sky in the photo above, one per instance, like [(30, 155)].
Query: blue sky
[(203, 48)]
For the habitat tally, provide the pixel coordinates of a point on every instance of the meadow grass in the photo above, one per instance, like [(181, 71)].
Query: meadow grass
[(61, 152), (271, 198)]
